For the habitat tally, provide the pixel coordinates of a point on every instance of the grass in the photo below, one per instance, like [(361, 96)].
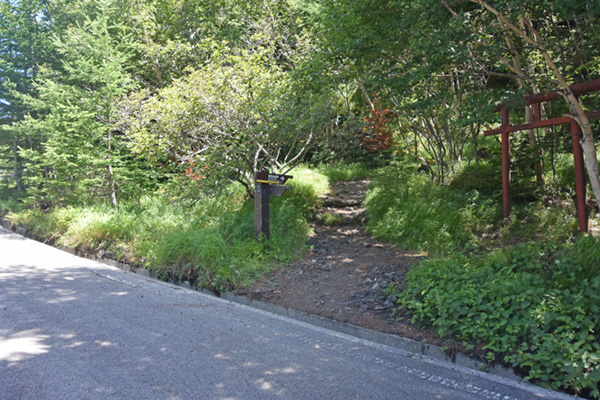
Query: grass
[(405, 208), (331, 220), (345, 172), (211, 244)]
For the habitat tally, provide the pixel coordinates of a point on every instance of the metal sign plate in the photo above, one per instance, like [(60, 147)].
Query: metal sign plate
[(278, 190), (273, 179)]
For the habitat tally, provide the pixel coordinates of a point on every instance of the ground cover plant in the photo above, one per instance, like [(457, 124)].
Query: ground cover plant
[(534, 306)]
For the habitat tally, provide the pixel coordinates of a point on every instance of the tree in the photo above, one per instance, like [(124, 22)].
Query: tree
[(74, 116), (416, 63), (249, 104), (222, 122), (492, 52), (25, 44), (173, 37)]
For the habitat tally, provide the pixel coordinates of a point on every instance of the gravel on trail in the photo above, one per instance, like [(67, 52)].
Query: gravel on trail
[(345, 274)]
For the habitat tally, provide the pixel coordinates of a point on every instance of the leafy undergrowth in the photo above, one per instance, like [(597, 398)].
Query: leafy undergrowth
[(535, 306)]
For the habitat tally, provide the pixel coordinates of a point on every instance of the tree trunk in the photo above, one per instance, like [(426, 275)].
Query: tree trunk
[(111, 184), (539, 170), (17, 170), (111, 176), (475, 143), (364, 93)]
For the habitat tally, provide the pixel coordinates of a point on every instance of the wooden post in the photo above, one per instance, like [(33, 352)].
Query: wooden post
[(266, 185), (506, 206), (579, 177), (537, 112), (262, 224)]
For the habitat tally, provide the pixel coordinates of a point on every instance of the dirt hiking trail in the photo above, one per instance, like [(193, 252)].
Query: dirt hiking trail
[(344, 276)]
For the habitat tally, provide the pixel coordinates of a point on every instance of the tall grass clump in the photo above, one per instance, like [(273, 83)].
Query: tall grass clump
[(209, 241), (345, 172), (225, 255), (405, 207), (217, 249), (94, 228)]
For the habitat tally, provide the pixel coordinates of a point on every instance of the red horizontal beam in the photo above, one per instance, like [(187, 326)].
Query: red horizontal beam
[(577, 89), (538, 124)]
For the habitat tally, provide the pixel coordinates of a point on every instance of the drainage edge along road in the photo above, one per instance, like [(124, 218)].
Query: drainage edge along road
[(418, 349)]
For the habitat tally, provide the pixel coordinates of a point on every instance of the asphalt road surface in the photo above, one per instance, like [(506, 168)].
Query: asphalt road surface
[(72, 328)]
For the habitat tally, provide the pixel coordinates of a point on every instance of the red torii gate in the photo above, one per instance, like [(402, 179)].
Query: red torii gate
[(506, 128)]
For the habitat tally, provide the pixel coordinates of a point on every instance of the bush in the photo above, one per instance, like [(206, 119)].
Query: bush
[(527, 304)]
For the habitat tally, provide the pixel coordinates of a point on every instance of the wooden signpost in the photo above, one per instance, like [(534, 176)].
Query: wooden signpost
[(266, 185)]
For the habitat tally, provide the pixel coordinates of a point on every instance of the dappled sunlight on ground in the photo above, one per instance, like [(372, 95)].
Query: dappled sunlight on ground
[(22, 345)]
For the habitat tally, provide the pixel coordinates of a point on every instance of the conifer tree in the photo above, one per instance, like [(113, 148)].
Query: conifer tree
[(25, 31), (74, 115)]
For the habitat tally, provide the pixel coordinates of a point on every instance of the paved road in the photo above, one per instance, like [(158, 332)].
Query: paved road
[(71, 328)]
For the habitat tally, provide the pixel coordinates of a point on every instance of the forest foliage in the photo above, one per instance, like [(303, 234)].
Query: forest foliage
[(109, 99), (134, 128)]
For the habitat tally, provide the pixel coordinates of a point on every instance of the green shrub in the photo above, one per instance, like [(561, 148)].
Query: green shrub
[(527, 305)]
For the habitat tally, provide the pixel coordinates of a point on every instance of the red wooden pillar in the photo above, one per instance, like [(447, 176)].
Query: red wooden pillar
[(537, 112), (579, 177), (505, 164)]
